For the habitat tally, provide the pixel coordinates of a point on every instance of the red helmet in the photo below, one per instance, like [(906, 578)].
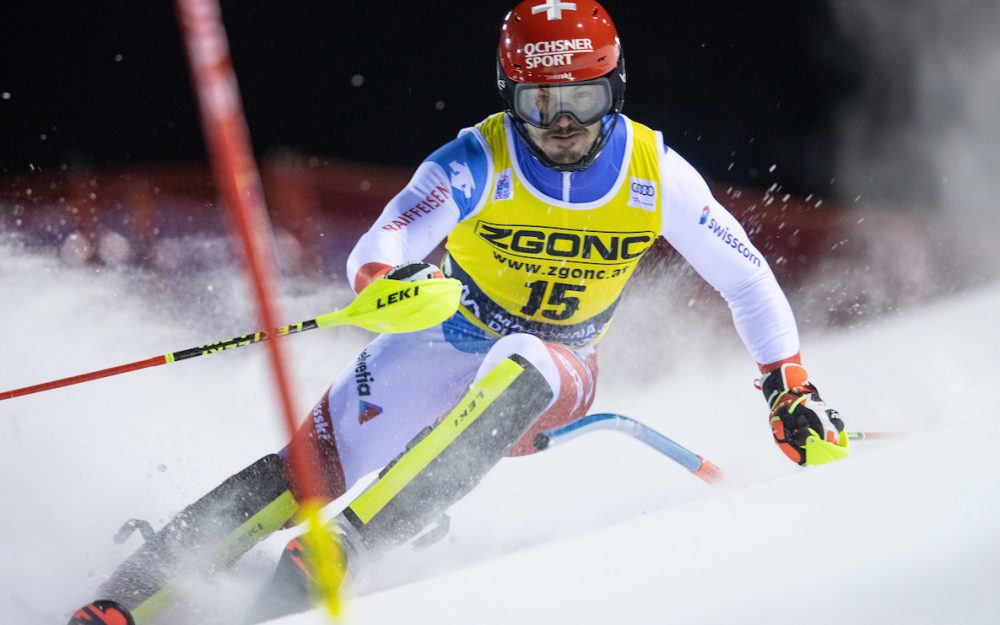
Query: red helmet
[(548, 41), (560, 58)]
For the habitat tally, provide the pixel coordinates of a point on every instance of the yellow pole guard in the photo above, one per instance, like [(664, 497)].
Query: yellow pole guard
[(482, 394), (395, 306), (819, 451)]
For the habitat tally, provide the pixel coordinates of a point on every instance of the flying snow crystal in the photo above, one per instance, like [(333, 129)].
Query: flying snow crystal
[(118, 58), (439, 105), (5, 95), (357, 80), (772, 168)]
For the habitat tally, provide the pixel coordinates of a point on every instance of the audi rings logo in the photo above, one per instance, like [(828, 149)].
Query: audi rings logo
[(643, 189), (642, 194)]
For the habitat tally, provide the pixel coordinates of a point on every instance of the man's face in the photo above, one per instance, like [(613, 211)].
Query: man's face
[(565, 142)]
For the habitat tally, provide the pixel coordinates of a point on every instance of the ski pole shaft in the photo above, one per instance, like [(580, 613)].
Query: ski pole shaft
[(872, 436), (390, 306), (184, 354), (696, 464)]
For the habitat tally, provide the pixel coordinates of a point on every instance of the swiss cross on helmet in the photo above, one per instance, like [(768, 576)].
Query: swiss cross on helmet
[(561, 59)]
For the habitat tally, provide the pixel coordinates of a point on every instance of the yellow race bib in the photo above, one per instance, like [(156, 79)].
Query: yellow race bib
[(554, 269)]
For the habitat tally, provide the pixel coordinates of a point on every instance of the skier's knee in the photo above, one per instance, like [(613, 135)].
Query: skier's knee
[(529, 347)]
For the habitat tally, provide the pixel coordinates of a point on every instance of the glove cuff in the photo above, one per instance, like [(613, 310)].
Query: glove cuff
[(788, 375)]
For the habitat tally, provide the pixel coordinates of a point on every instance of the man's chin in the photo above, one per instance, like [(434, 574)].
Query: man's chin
[(564, 157)]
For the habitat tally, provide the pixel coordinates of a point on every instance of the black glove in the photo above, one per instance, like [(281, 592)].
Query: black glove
[(805, 429)]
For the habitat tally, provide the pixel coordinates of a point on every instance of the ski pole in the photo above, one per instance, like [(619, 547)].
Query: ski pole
[(872, 436), (701, 467), (386, 306)]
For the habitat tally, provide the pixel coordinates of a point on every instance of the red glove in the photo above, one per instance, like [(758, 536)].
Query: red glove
[(805, 429), (408, 272)]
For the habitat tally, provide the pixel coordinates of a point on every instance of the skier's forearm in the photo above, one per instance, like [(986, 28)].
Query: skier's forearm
[(767, 367), (718, 248), (765, 322), (412, 224)]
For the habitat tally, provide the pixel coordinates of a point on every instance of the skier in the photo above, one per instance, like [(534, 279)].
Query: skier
[(547, 207)]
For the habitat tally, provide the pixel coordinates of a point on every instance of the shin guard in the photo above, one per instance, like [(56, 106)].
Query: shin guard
[(440, 468), (206, 536)]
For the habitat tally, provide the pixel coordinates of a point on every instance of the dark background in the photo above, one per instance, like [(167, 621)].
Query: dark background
[(736, 87)]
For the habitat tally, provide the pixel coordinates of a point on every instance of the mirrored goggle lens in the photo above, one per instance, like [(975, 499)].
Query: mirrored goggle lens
[(542, 105)]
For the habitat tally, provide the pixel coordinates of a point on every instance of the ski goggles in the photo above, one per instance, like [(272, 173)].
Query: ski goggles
[(542, 105)]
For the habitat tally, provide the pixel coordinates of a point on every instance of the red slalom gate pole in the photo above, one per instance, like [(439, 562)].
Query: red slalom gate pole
[(236, 176)]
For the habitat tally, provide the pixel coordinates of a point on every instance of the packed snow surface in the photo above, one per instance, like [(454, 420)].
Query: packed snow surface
[(601, 530)]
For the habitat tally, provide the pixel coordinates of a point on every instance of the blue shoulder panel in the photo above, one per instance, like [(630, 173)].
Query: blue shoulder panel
[(464, 160), (586, 185), (466, 337)]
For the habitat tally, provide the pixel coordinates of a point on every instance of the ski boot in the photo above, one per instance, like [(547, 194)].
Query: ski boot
[(206, 536), (102, 612)]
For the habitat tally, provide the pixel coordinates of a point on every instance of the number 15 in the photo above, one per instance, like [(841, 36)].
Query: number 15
[(567, 304)]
